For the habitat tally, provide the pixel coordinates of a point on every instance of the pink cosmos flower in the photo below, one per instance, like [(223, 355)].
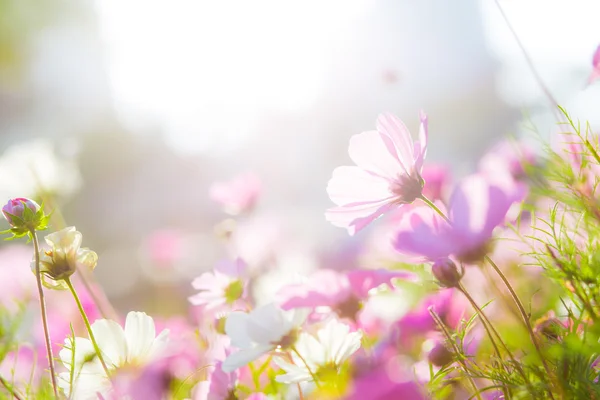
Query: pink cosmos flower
[(508, 156), (342, 292), (478, 205), (387, 174), (238, 195), (221, 287), (595, 75)]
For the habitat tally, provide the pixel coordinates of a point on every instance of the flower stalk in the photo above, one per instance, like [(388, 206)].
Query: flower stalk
[(87, 325), (38, 277)]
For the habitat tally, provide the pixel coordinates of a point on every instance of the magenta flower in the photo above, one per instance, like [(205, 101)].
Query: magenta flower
[(344, 293), (595, 75), (220, 386), (238, 195), (16, 208), (387, 174), (478, 205)]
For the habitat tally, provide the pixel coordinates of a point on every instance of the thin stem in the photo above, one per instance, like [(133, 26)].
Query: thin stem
[(435, 208), (307, 367), (529, 61), (459, 358), (524, 316), (10, 389), (87, 325), (300, 395), (38, 277), (485, 320)]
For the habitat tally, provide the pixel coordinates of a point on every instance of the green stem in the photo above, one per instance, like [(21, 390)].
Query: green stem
[(87, 326), (10, 389), (524, 317), (307, 367), (485, 320), (38, 277), (457, 352), (435, 208)]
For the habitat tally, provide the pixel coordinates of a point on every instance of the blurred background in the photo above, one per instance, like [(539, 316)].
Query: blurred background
[(128, 110)]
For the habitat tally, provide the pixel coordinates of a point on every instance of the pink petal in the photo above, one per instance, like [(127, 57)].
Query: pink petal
[(420, 150), (357, 217), (371, 152), (362, 281), (392, 127), (423, 232), (352, 185)]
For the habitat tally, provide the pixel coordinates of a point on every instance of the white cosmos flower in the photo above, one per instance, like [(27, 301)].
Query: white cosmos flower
[(64, 257), (262, 330), (324, 354), (132, 347)]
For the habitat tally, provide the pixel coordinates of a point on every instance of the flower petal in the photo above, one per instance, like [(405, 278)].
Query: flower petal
[(139, 333), (245, 356), (374, 152)]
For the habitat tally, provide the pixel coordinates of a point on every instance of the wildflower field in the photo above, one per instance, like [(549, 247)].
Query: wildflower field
[(481, 285)]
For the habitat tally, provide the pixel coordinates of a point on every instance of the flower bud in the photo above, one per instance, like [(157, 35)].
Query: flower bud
[(440, 355), (446, 272), (24, 215)]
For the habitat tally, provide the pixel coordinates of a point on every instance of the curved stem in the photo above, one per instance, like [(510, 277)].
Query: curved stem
[(307, 367), (459, 358), (485, 320), (524, 317), (87, 326), (435, 208), (10, 389), (38, 277)]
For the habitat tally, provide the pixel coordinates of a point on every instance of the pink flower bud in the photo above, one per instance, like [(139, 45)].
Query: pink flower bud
[(446, 272), (16, 208)]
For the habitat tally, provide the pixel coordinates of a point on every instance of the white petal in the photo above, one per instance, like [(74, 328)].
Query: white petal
[(294, 373), (111, 340), (268, 324), (236, 329), (244, 356), (68, 239), (139, 333)]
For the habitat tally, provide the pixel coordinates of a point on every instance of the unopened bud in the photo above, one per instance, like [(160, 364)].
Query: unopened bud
[(446, 272), (440, 355), (24, 215)]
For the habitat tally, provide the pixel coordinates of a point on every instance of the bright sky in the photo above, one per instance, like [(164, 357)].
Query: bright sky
[(184, 65)]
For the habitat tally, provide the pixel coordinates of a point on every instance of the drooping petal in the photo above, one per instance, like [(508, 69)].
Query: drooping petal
[(87, 258)]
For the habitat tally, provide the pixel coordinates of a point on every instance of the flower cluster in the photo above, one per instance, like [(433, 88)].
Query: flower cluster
[(480, 288)]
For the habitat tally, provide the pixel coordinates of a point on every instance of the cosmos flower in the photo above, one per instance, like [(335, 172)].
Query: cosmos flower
[(387, 174), (320, 356), (344, 292), (477, 207), (64, 257), (262, 330), (134, 346), (220, 287), (595, 74)]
